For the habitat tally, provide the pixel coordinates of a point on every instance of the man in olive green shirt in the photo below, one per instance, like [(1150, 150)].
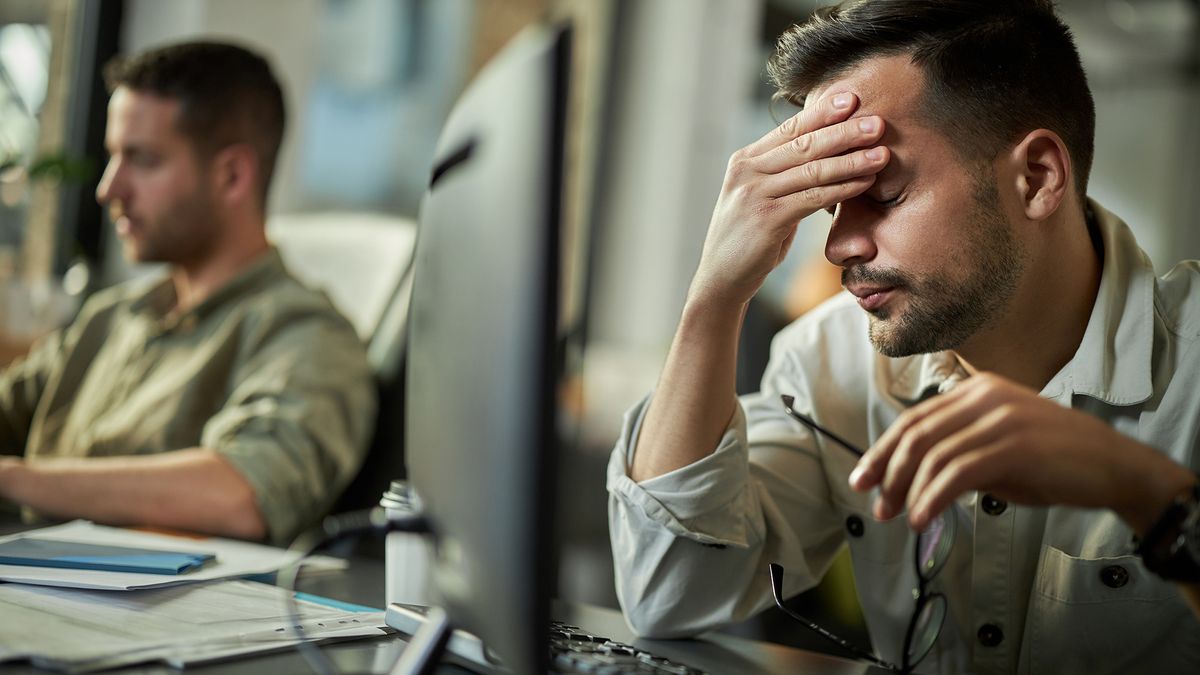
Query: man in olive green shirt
[(225, 398)]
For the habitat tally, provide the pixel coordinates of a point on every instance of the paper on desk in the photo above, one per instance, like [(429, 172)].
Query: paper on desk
[(85, 630), (234, 558)]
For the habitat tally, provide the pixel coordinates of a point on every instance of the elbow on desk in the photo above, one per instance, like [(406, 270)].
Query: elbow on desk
[(240, 516), (658, 628), (656, 621)]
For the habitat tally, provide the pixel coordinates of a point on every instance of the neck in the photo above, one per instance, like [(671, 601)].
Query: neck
[(1047, 317), (196, 280)]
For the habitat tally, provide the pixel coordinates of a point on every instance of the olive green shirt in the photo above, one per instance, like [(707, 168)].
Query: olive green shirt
[(265, 372)]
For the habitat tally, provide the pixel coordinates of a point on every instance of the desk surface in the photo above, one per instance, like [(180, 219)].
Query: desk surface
[(363, 583), (715, 652)]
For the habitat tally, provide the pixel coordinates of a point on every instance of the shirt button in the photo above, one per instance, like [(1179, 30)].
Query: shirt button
[(1114, 576), (993, 506), (990, 635), (854, 525)]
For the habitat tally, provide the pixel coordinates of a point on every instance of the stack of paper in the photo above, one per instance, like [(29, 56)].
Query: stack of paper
[(82, 631), (81, 620)]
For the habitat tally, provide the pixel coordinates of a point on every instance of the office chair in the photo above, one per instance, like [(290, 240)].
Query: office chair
[(358, 259)]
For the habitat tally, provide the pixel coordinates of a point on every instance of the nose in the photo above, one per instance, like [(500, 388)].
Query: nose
[(107, 188), (851, 238)]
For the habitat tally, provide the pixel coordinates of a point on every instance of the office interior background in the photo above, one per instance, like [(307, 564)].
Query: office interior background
[(664, 91)]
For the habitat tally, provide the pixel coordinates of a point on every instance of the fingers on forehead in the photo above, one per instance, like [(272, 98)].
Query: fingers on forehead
[(824, 112), (830, 108)]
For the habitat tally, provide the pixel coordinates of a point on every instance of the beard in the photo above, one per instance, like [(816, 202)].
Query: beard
[(943, 313), (181, 235)]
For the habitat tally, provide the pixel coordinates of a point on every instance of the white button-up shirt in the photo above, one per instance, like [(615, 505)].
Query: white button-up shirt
[(691, 547)]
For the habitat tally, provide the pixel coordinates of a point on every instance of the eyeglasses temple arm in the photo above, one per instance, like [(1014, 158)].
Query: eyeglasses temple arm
[(777, 591), (812, 424)]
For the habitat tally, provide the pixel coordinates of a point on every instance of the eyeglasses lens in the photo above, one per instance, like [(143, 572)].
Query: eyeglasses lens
[(933, 546), (933, 550), (928, 627)]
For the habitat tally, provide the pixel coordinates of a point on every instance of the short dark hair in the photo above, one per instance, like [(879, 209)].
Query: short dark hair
[(227, 95), (994, 69)]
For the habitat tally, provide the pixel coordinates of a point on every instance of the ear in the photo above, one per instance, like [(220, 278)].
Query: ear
[(1042, 173), (235, 175)]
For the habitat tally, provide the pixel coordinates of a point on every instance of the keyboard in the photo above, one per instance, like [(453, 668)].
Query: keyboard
[(572, 650)]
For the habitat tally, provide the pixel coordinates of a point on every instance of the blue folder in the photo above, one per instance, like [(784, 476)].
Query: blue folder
[(37, 552)]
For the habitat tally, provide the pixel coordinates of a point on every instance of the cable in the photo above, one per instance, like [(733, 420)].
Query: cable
[(334, 529)]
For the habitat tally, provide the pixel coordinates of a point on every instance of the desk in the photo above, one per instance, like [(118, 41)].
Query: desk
[(363, 583), (718, 653)]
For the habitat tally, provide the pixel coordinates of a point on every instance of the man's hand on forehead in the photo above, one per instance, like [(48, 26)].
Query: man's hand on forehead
[(811, 162)]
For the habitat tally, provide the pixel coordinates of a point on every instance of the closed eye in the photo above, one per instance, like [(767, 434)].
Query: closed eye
[(889, 202)]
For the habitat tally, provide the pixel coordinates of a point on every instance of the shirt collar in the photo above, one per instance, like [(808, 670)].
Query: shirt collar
[(916, 378), (1113, 362), (158, 301)]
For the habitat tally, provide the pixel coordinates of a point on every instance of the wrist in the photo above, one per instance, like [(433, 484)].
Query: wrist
[(1160, 482), (706, 306), (716, 295)]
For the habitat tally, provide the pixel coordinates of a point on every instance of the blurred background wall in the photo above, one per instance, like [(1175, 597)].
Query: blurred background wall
[(665, 91)]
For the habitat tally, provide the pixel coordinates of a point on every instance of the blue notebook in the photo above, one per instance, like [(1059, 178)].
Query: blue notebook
[(38, 552)]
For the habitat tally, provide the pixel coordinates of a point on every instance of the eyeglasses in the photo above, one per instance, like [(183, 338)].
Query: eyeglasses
[(930, 553)]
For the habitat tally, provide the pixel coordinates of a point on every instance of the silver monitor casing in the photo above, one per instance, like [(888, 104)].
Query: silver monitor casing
[(482, 349)]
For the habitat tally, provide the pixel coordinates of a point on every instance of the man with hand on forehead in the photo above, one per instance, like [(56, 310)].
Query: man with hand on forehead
[(1027, 389)]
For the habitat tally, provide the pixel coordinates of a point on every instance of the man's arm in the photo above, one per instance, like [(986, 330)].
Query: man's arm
[(812, 161), (194, 489)]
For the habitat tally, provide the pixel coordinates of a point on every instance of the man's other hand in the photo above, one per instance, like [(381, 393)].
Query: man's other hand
[(993, 435)]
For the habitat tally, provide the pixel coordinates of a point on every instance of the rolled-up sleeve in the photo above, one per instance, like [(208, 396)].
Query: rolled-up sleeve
[(298, 422), (691, 547), (702, 501)]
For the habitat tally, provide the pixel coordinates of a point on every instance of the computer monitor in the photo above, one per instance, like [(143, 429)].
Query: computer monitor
[(483, 349)]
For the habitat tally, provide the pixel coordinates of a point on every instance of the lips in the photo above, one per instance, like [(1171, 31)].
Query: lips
[(872, 298)]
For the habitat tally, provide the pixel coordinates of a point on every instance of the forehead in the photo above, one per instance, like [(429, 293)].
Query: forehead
[(891, 87), (141, 117), (888, 86)]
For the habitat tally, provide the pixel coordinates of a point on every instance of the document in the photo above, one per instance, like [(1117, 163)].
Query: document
[(232, 558), (84, 630), (42, 552)]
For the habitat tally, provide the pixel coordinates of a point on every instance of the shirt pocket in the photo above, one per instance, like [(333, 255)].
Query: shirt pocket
[(1108, 615)]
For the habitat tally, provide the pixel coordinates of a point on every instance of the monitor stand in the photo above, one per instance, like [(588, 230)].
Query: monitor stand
[(461, 645), (424, 651)]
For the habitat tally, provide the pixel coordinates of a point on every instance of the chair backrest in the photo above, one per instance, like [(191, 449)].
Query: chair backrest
[(359, 259)]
